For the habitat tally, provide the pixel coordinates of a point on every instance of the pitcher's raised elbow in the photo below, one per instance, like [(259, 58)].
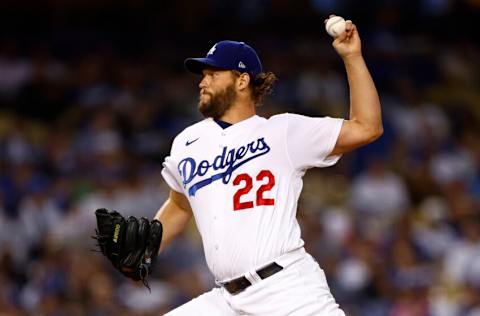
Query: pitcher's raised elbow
[(377, 133), (374, 134)]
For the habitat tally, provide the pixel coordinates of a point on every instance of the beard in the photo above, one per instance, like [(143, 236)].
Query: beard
[(219, 103)]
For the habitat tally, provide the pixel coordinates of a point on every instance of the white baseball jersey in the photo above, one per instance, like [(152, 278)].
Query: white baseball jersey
[(243, 184)]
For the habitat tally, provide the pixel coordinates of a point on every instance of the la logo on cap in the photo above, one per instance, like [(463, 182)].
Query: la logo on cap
[(210, 52), (241, 65)]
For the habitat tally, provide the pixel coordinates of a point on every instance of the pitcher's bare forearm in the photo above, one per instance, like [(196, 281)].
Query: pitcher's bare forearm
[(174, 215), (364, 101)]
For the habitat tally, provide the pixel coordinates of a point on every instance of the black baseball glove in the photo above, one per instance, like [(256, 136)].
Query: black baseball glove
[(130, 244)]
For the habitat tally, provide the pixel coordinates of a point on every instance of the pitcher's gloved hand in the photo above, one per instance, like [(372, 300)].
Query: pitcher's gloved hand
[(130, 244)]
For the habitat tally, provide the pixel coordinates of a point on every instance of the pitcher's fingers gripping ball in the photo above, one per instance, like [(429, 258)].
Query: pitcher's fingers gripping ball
[(335, 25), (130, 244)]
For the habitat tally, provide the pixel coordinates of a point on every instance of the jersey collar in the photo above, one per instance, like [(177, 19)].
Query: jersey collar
[(235, 126), (223, 124)]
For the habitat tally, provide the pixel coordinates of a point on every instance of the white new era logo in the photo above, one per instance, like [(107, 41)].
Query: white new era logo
[(241, 65)]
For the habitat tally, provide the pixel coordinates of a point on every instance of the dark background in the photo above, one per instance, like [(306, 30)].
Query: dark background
[(92, 94)]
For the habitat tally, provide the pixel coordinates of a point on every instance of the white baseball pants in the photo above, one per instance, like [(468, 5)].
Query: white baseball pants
[(300, 289)]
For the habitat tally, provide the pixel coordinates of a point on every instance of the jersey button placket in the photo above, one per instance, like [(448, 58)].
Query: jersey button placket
[(223, 134), (215, 229), (215, 217)]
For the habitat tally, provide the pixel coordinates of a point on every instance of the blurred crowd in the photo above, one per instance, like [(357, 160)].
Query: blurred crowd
[(395, 225)]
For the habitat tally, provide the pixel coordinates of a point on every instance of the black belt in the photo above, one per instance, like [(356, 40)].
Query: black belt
[(238, 285)]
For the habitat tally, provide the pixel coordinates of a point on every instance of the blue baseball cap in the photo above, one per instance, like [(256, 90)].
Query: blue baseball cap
[(229, 55)]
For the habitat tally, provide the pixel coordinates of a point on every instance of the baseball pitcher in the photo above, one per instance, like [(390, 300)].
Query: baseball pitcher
[(240, 176)]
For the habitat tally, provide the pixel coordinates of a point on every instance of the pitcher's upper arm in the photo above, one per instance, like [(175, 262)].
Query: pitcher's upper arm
[(174, 215), (180, 200), (353, 135)]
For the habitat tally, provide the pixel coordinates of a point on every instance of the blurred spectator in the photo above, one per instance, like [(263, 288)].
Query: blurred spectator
[(463, 258), (380, 197)]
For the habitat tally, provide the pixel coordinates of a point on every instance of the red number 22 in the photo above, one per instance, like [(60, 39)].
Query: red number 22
[(244, 177)]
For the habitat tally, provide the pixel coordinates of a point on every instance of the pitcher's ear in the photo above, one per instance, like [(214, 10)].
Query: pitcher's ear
[(243, 81)]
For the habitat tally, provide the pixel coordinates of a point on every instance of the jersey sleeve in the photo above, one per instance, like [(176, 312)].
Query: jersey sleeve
[(310, 140), (170, 172)]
